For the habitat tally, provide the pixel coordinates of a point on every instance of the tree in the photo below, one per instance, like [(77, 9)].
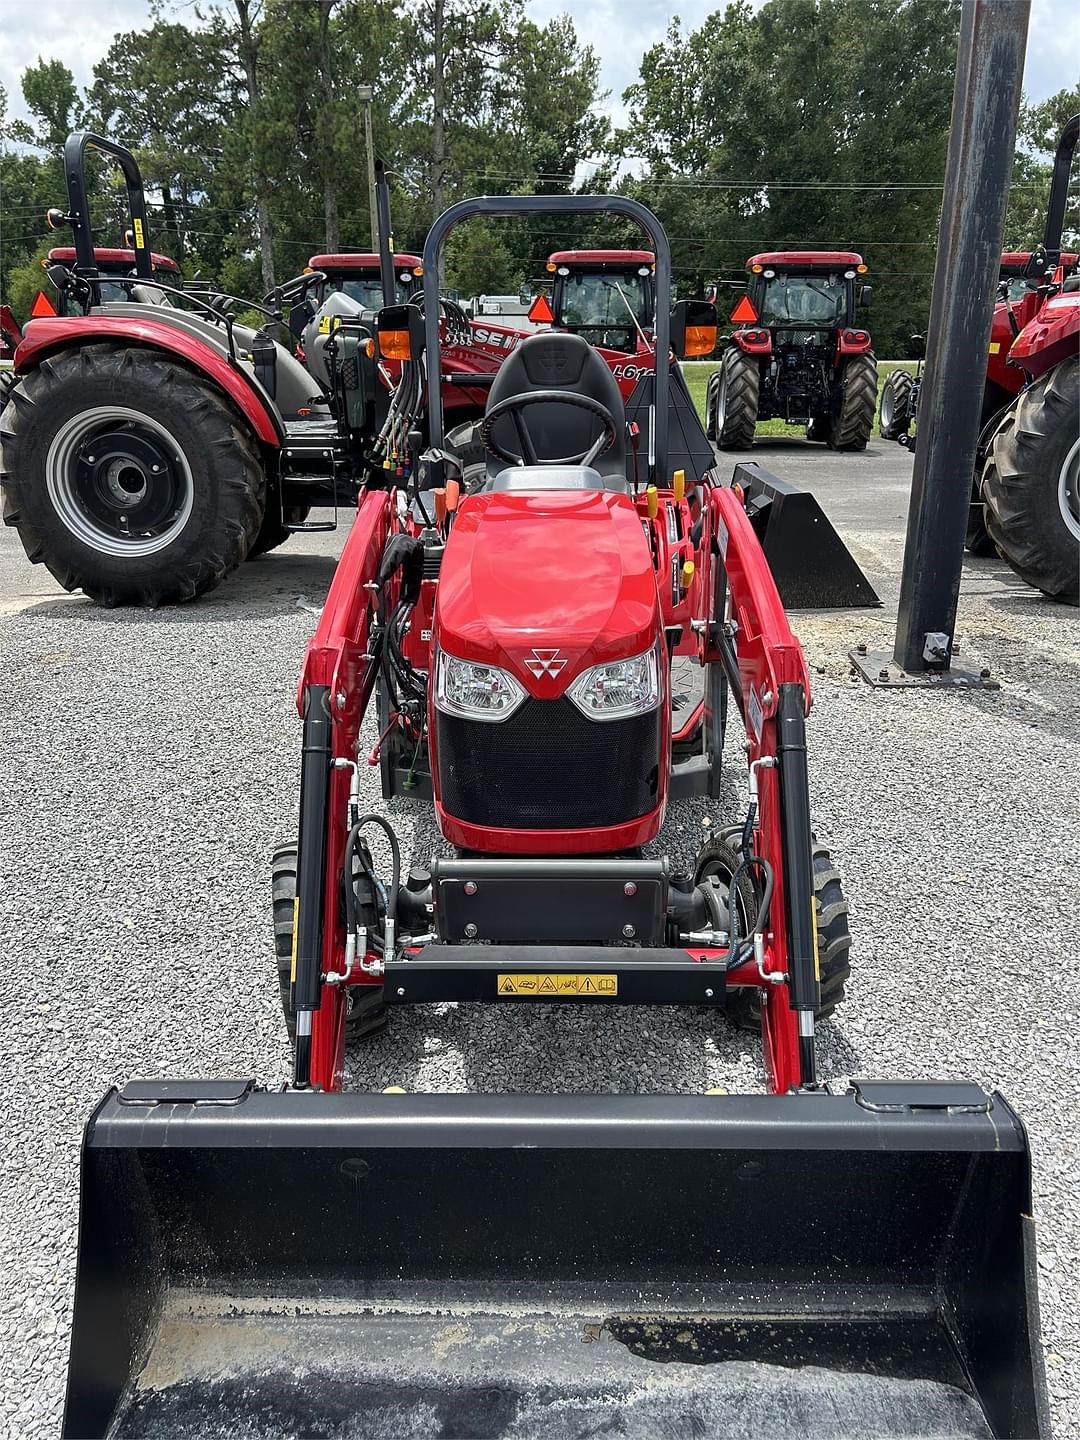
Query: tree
[(1039, 129)]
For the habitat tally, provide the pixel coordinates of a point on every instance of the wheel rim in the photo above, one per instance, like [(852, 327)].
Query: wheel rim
[(119, 481), (886, 406), (723, 872), (721, 403), (1069, 491)]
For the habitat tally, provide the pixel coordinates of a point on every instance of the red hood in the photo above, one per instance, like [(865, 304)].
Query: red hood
[(566, 571)]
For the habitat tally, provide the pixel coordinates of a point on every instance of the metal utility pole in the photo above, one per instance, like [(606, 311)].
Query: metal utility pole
[(982, 135), (365, 94)]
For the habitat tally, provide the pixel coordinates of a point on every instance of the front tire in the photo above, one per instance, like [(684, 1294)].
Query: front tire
[(897, 411), (720, 858), (1031, 485), (366, 1013), (737, 398), (128, 477), (854, 418)]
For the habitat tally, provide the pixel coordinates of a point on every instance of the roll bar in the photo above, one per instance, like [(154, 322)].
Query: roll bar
[(1059, 189), (551, 205), (75, 148)]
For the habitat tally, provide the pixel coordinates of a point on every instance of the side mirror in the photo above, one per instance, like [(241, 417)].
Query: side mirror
[(866, 295), (693, 328), (401, 332), (917, 347)]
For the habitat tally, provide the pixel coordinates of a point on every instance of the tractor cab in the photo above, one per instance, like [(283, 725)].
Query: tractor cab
[(806, 291), (605, 296), (358, 277), (112, 265)]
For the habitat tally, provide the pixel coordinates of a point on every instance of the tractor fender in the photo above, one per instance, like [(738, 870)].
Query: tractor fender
[(1052, 336), (755, 340), (46, 337), (852, 341)]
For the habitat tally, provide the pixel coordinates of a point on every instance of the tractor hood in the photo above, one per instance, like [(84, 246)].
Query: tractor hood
[(547, 585)]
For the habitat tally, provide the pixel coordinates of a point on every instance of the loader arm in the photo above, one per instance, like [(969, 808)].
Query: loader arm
[(749, 634)]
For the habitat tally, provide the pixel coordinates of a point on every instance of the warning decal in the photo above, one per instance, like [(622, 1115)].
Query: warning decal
[(557, 986)]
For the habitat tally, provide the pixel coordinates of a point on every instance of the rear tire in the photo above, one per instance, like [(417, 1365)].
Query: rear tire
[(465, 441), (896, 412), (1031, 482), (274, 529), (854, 420), (366, 1013), (128, 477), (737, 396), (833, 935), (712, 396)]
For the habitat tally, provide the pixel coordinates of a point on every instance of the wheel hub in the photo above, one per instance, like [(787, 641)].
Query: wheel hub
[(119, 481), (1069, 491)]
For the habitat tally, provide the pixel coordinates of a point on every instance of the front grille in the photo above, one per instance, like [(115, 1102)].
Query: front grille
[(548, 767)]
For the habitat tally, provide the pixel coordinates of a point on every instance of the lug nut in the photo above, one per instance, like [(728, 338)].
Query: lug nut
[(470, 887), (401, 992), (470, 930), (631, 889), (984, 674), (883, 674), (629, 931), (708, 994), (860, 649)]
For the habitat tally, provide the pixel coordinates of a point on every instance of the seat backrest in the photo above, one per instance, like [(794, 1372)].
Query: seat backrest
[(554, 361)]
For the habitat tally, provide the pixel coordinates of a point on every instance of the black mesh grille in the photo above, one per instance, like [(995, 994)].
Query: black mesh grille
[(549, 768)]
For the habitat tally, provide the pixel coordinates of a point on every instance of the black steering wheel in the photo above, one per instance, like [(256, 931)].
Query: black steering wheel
[(513, 406)]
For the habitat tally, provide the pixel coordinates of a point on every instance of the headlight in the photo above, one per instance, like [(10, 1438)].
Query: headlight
[(618, 689), (479, 692)]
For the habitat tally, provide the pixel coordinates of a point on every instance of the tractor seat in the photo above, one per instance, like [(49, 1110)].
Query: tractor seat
[(559, 362)]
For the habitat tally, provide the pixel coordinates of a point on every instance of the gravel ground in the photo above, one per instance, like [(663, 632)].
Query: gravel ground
[(150, 764)]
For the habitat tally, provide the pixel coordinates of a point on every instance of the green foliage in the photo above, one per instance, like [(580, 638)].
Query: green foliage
[(825, 99), (809, 123)]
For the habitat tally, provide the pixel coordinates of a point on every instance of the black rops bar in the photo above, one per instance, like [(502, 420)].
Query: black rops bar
[(311, 870), (551, 205), (75, 148), (1059, 190), (386, 238)]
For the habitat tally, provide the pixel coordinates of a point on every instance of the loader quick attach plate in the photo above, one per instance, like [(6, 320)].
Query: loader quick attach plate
[(550, 902), (502, 1267)]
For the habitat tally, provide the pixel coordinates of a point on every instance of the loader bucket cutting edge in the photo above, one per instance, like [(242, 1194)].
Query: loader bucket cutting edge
[(256, 1264)]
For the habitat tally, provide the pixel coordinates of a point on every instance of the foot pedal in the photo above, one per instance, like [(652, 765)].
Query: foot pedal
[(311, 526)]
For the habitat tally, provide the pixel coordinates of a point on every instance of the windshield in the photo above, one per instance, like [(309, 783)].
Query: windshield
[(804, 300), (366, 290), (592, 300)]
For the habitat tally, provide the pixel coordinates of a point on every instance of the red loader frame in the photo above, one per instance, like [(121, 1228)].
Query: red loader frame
[(747, 632)]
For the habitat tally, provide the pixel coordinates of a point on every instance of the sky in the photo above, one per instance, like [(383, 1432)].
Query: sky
[(620, 31)]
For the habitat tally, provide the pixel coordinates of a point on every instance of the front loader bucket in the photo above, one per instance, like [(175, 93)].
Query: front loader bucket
[(812, 567), (260, 1265)]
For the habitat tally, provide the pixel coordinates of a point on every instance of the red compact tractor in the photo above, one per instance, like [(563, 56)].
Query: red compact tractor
[(148, 449), (298, 1260), (798, 353)]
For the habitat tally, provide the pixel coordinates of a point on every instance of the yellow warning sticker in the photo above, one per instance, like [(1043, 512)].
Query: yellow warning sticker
[(995, 347), (328, 323), (295, 933), (558, 986), (140, 239)]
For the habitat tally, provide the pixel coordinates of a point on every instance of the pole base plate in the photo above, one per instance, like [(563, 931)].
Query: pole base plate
[(879, 668)]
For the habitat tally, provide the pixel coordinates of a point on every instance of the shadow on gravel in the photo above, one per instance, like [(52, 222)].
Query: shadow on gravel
[(270, 585)]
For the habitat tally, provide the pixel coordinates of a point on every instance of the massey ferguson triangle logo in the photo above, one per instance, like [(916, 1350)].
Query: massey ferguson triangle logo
[(545, 662)]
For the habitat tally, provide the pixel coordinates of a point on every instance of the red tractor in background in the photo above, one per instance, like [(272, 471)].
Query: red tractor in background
[(798, 353), (1026, 476)]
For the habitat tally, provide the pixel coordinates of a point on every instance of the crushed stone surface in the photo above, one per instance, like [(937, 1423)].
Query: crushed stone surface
[(150, 764)]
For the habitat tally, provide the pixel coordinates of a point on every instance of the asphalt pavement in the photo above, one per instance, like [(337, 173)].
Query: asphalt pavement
[(150, 763)]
